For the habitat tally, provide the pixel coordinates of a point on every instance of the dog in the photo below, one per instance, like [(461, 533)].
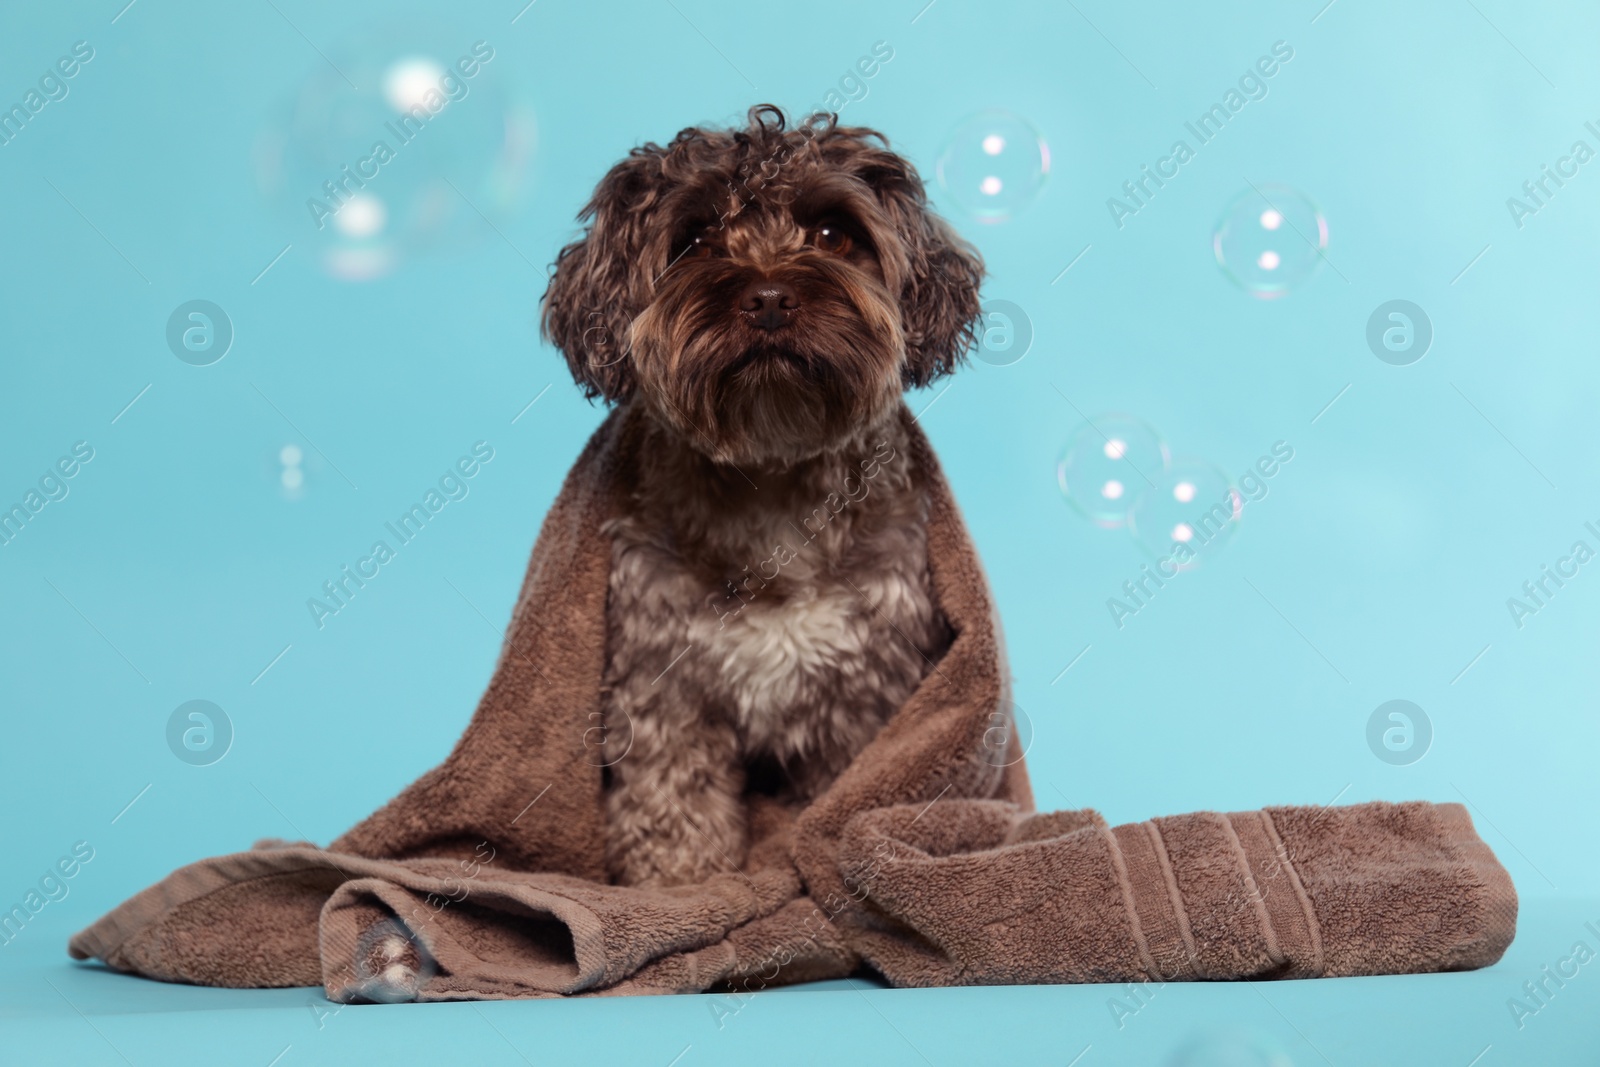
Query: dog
[(764, 295)]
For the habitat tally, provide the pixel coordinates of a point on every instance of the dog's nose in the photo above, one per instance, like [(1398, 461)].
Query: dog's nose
[(768, 304)]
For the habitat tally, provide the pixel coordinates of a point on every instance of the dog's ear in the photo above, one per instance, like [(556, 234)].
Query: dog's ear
[(942, 273), (599, 281), (940, 305)]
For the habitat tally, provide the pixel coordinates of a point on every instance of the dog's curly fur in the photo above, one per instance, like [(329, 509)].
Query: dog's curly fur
[(769, 597)]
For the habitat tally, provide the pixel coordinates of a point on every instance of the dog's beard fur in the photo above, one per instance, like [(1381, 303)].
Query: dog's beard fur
[(742, 394)]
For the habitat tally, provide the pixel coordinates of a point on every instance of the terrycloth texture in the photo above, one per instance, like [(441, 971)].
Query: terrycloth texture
[(924, 860), (976, 892)]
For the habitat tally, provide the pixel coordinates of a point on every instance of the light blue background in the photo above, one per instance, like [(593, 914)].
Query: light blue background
[(1381, 561)]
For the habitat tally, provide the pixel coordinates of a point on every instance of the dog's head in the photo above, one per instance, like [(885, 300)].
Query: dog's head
[(765, 290)]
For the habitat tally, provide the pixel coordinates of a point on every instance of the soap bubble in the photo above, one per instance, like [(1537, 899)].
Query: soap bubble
[(289, 467), (993, 165), (1192, 503), (1108, 464), (1270, 240), (407, 81), (389, 150), (1231, 1049), (363, 215)]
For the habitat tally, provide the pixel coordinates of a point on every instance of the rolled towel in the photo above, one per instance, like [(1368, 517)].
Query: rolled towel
[(980, 892)]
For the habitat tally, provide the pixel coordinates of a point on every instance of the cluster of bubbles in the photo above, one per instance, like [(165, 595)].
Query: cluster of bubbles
[(1118, 473), (993, 165), (448, 174), (1269, 240)]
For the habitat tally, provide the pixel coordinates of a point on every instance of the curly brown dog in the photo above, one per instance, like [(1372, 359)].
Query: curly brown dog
[(765, 294)]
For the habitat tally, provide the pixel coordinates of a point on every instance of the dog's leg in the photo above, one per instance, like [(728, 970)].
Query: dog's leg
[(673, 811)]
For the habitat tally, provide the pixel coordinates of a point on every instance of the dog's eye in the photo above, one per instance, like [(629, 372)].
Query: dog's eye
[(831, 237), (704, 246)]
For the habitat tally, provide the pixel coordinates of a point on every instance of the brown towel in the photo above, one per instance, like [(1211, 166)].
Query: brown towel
[(484, 878), (978, 893)]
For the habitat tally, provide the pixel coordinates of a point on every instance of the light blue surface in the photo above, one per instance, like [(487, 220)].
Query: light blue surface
[(1377, 567), (92, 1017)]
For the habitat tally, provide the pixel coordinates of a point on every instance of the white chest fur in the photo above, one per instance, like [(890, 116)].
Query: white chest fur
[(759, 633), (804, 658), (826, 660)]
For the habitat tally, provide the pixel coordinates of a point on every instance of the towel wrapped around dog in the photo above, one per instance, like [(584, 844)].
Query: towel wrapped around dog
[(923, 861)]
